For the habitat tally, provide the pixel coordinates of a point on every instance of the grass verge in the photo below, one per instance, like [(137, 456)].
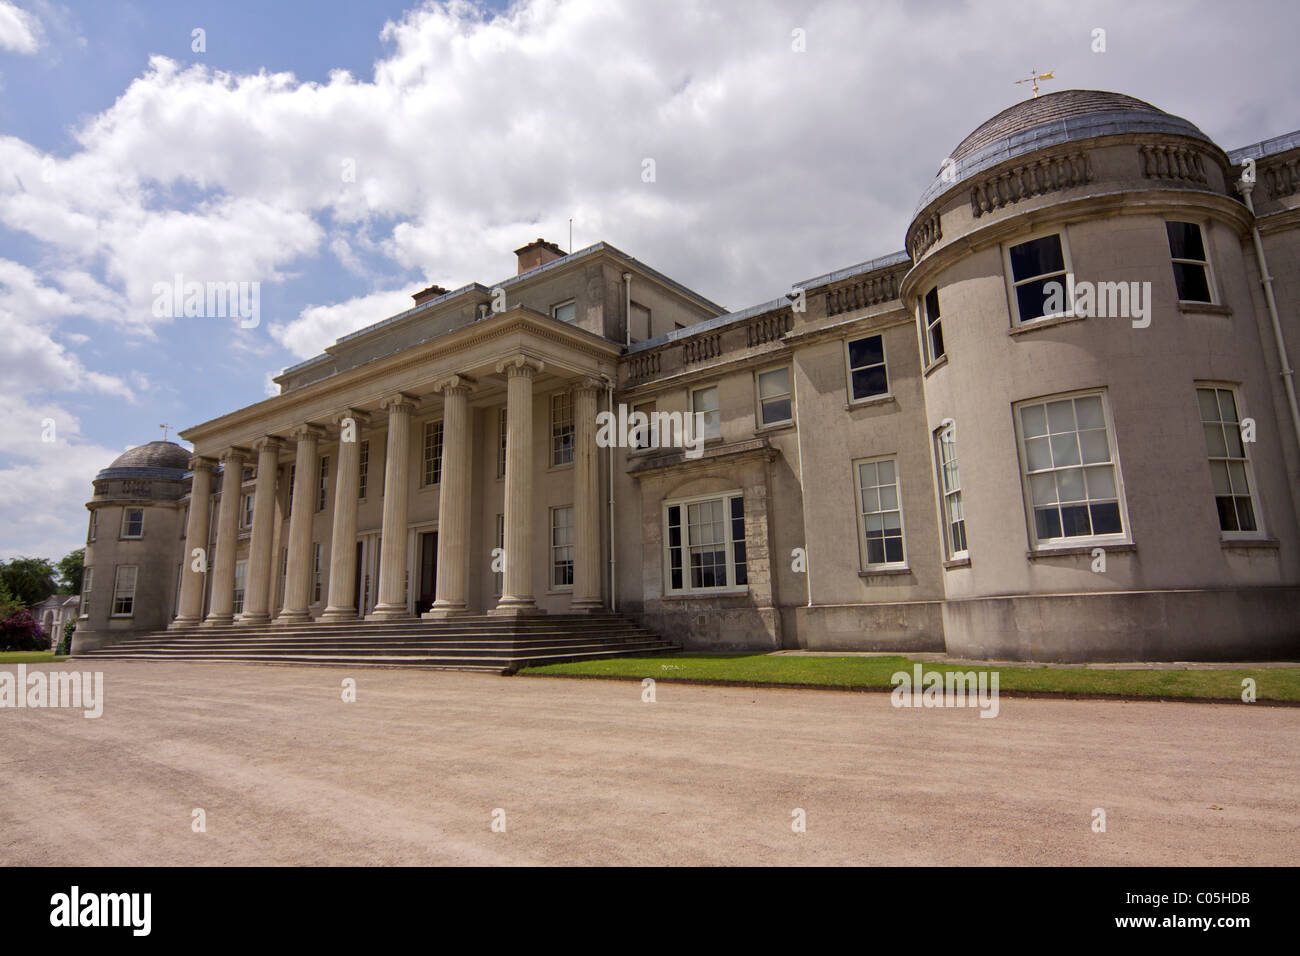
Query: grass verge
[(1276, 684), (29, 657)]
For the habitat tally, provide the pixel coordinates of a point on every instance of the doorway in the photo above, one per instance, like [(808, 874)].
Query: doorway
[(428, 572)]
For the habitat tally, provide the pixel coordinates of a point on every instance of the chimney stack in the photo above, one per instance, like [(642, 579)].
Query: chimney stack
[(537, 253), (424, 295)]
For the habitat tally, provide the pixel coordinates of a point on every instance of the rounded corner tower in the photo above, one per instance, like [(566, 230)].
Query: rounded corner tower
[(132, 544), (1090, 350)]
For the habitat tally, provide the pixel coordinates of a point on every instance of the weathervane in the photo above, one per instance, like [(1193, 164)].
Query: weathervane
[(164, 428), (1034, 77)]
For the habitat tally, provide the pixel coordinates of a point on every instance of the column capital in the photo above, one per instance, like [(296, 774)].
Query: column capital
[(589, 383), (201, 461), (273, 442), (520, 365), (396, 402), (356, 414), (235, 451), (308, 430), (453, 382)]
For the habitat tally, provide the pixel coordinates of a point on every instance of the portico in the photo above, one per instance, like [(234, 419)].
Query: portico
[(323, 485)]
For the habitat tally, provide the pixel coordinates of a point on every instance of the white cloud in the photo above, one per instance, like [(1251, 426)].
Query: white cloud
[(20, 31), (320, 325)]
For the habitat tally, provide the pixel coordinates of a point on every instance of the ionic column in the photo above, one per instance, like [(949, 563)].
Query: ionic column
[(190, 606), (343, 541), (222, 609), (297, 580), (586, 500), (257, 589), (391, 596), (453, 500), (517, 587)]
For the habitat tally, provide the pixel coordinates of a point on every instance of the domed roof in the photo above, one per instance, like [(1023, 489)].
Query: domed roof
[(156, 454), (1049, 120)]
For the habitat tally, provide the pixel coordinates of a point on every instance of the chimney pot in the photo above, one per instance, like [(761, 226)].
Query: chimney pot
[(537, 253)]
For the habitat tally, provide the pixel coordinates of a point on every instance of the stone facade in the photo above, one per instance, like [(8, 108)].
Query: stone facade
[(870, 472)]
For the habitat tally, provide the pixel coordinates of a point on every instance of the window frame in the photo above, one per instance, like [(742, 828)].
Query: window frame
[(687, 590), (431, 465), (363, 468), (563, 400), (558, 564), (1012, 283), (761, 422), (322, 483), (93, 527), (246, 503), (123, 536), (949, 428), (929, 324), (1258, 533), (1125, 534), (849, 369), (695, 424), (87, 586), (502, 426), (239, 593), (560, 305), (135, 581), (317, 564), (863, 551), (1208, 264)]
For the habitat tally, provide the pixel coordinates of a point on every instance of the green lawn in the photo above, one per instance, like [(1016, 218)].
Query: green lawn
[(1271, 683), (28, 657)]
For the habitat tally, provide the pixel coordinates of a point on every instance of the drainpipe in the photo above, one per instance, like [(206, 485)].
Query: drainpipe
[(613, 562), (1288, 373), (803, 489), (627, 309)]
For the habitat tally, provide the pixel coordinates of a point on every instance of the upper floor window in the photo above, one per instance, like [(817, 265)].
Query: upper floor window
[(565, 311), (1229, 463), (933, 327), (954, 512), (774, 396), (641, 434), (322, 483), (867, 375), (881, 513), (562, 547), (246, 511), (94, 525), (87, 583), (248, 473), (432, 473), (706, 415), (124, 591), (293, 480), (561, 428), (1191, 264), (133, 522), (706, 544), (363, 468), (1070, 468), (1033, 265)]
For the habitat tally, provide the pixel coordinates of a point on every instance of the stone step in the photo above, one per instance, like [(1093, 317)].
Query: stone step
[(405, 649)]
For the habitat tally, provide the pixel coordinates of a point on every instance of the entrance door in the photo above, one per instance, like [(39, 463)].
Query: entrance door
[(428, 571), (358, 577)]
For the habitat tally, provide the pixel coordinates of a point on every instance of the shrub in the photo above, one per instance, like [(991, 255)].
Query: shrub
[(20, 632)]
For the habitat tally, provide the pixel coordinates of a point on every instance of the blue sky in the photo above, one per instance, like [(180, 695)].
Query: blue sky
[(129, 157)]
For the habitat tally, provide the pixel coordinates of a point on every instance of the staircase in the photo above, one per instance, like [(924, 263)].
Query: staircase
[(470, 643)]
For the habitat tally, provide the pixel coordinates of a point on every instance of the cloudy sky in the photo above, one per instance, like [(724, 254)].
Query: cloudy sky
[(344, 154)]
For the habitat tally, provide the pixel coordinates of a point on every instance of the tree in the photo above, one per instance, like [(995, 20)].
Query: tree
[(29, 580), (9, 605), (71, 567)]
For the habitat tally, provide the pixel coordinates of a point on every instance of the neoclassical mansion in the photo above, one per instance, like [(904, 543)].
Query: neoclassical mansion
[(916, 453)]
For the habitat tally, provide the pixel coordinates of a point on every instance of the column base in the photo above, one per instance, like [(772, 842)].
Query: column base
[(254, 619), (180, 622), (439, 611), (292, 617), (389, 612), (333, 614), (218, 620), (516, 607)]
